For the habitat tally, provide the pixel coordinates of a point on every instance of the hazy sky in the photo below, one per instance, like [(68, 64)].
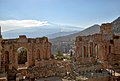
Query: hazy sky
[(82, 13)]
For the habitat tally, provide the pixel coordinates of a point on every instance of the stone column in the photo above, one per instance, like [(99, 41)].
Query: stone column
[(11, 55), (49, 51), (16, 60), (82, 51), (94, 50), (29, 59), (89, 51)]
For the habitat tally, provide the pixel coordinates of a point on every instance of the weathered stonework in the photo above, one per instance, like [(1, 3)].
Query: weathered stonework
[(50, 68), (37, 49), (102, 47)]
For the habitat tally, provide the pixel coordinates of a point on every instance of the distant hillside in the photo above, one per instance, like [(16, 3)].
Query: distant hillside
[(64, 43), (31, 31), (50, 31), (88, 31), (59, 34)]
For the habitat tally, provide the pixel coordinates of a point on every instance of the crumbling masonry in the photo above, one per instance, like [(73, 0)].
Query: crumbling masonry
[(37, 49), (103, 47)]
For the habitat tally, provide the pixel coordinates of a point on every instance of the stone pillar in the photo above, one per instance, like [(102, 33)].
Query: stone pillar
[(16, 60), (49, 51), (89, 51), (11, 55), (82, 51), (94, 50), (28, 63)]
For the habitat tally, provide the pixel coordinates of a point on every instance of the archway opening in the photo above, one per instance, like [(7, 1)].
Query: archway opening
[(22, 55)]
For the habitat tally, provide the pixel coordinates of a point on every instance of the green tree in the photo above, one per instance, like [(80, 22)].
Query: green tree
[(59, 55)]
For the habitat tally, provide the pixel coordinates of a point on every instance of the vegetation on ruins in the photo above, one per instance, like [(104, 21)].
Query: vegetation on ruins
[(60, 56)]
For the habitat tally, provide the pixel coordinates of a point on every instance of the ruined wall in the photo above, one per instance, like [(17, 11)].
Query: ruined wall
[(103, 46), (85, 52), (106, 28), (37, 49), (117, 44), (116, 49)]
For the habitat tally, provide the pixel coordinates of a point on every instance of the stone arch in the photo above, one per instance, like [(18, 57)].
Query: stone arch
[(31, 44), (29, 56), (22, 55)]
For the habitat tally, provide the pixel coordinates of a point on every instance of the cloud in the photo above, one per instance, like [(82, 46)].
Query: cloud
[(14, 24)]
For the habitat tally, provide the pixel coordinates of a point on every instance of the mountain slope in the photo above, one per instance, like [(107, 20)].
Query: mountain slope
[(51, 31), (59, 34), (88, 31), (32, 31)]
